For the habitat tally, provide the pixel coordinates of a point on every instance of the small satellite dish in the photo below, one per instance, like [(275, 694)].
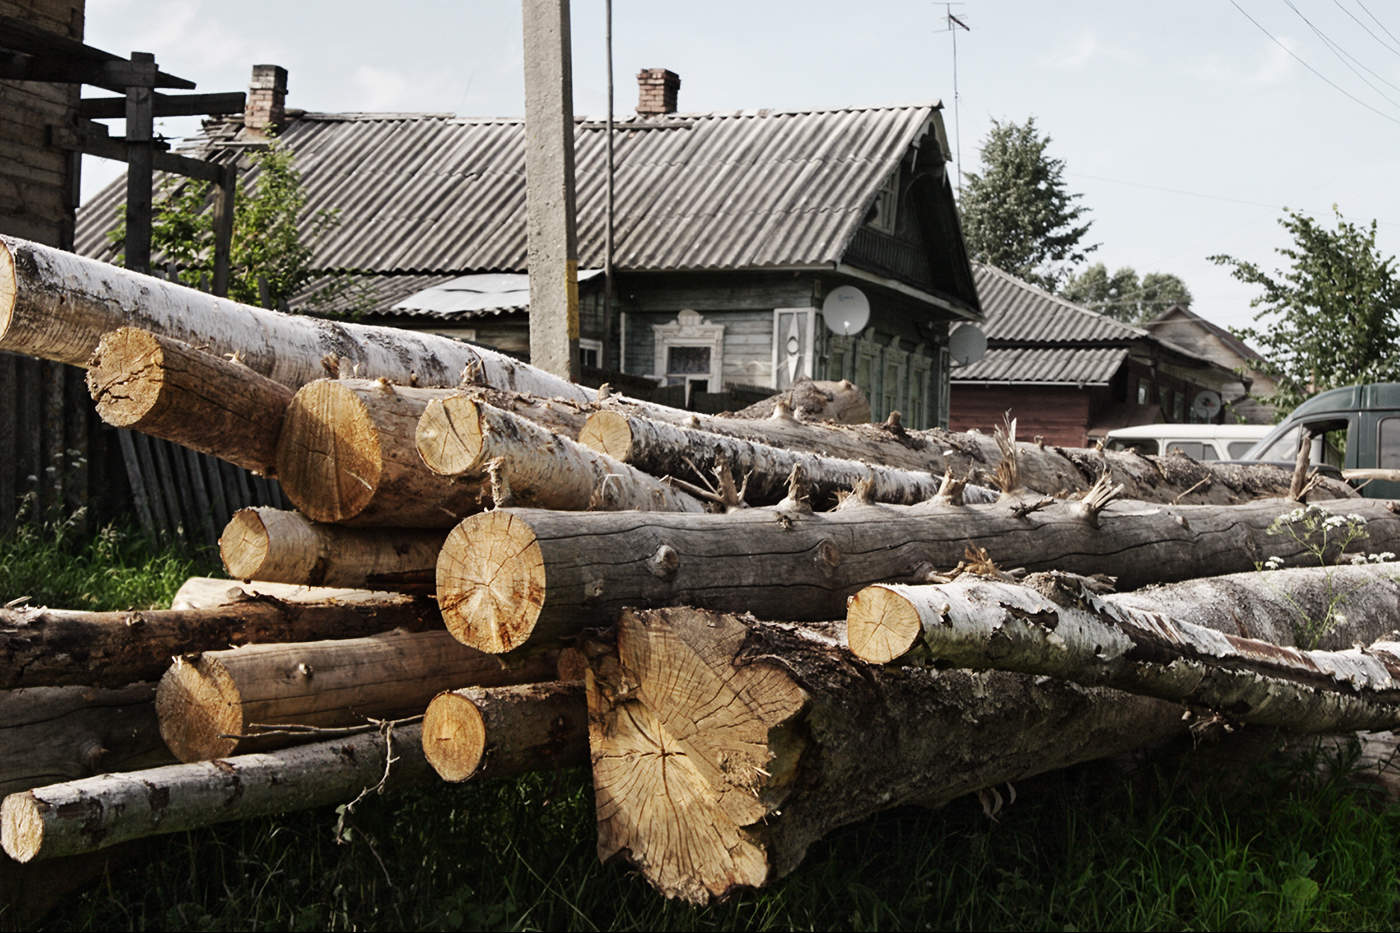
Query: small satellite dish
[(966, 344), (846, 310), (1206, 405)]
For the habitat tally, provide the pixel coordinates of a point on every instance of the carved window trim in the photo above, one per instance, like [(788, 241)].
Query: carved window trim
[(690, 329)]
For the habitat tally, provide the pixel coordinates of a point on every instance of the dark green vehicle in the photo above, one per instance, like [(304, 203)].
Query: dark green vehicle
[(1355, 429)]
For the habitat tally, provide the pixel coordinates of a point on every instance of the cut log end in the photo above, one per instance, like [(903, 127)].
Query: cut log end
[(329, 453), (608, 432), (449, 436), (126, 376), (198, 704), (881, 625), (9, 289), (454, 736), (491, 582), (245, 544), (21, 823)]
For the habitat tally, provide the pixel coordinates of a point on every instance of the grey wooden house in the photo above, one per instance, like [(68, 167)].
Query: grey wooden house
[(731, 228)]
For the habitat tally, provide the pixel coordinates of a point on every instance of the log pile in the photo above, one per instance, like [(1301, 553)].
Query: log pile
[(752, 629)]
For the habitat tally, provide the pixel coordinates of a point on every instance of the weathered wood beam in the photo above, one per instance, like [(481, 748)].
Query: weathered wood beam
[(165, 105)]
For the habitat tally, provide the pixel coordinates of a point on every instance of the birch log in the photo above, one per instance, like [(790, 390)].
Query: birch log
[(43, 647), (211, 705), (973, 456), (212, 592), (1055, 626), (529, 465), (56, 305), (723, 747), (86, 815), (52, 734), (672, 450), (508, 576), (285, 547), (166, 388), (346, 454), (490, 732), (815, 400)]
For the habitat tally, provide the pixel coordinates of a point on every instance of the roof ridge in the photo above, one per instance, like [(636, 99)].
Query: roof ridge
[(1064, 302)]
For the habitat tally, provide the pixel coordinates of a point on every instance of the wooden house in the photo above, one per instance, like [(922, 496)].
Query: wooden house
[(1068, 374), (730, 229), (1186, 329)]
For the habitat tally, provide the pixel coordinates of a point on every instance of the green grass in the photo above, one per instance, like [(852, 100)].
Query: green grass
[(1089, 848), (56, 565)]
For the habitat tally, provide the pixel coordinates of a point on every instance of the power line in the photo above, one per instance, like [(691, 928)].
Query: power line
[(1335, 85), (1337, 51), (1369, 31), (1376, 21)]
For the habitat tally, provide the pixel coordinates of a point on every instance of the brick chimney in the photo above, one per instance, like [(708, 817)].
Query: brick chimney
[(267, 99), (656, 91)]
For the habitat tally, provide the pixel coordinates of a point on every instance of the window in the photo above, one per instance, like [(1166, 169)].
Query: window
[(1179, 407), (689, 352), (1239, 448), (1388, 444), (886, 205), (590, 353), (793, 338), (1144, 392), (1196, 450)]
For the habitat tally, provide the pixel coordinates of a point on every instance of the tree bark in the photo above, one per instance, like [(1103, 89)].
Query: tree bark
[(723, 747), (52, 647), (86, 815), (672, 450), (530, 465), (842, 402), (508, 576), (284, 547), (491, 732), (1055, 626), (52, 734), (56, 305), (346, 454), (165, 388), (974, 457), (205, 703)]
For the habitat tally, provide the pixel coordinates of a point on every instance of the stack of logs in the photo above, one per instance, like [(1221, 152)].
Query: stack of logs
[(754, 629)]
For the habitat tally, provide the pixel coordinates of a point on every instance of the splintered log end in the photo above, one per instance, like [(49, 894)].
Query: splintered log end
[(21, 821), (881, 625), (491, 581), (328, 456), (449, 436), (198, 706), (9, 289), (691, 749), (608, 432), (454, 736), (126, 375)]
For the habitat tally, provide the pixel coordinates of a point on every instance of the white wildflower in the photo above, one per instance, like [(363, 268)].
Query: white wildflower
[(1273, 563)]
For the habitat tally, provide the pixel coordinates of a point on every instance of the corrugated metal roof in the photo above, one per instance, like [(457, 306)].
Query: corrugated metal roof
[(473, 296), (1062, 366), (1018, 311), (420, 193)]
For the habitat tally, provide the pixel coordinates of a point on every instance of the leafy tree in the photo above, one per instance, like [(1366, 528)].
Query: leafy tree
[(1017, 214), (1123, 295), (1330, 318), (270, 256)]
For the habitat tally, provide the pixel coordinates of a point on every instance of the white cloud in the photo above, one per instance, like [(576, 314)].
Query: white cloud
[(1084, 48), (1272, 66)]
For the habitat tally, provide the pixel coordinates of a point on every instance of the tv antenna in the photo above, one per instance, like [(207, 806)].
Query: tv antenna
[(953, 24)]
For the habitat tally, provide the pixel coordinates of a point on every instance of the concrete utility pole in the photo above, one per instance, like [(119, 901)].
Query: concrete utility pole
[(549, 178)]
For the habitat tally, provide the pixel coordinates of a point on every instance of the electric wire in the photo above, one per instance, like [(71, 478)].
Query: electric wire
[(1337, 50), (1303, 62), (1376, 21), (1369, 31)]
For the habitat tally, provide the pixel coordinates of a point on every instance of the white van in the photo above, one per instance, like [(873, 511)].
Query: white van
[(1198, 441)]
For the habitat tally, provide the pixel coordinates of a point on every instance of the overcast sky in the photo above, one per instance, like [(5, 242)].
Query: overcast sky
[(1186, 127)]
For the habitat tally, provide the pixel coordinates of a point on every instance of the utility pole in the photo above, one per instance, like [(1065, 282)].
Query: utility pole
[(549, 182)]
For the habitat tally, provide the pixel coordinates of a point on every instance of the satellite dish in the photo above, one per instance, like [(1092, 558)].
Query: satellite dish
[(846, 310), (1206, 405), (967, 344)]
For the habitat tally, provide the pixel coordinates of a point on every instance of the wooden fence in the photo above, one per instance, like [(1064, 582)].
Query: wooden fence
[(60, 461)]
